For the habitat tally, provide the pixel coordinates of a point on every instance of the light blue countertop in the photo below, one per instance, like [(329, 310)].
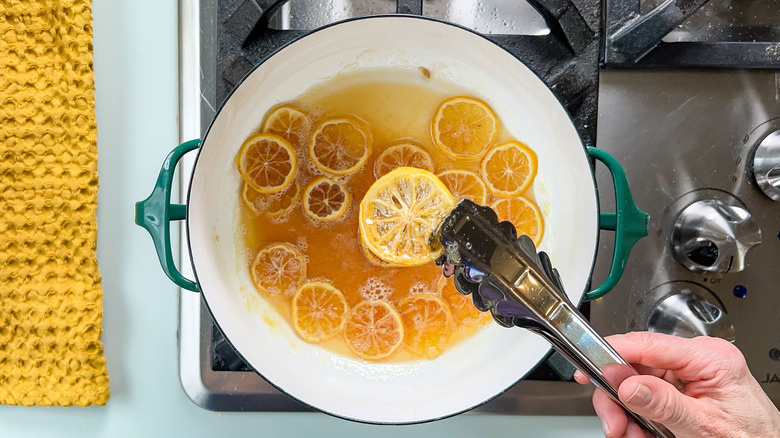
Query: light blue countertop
[(136, 46)]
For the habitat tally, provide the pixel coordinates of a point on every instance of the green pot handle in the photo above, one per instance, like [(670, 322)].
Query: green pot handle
[(628, 222), (156, 212)]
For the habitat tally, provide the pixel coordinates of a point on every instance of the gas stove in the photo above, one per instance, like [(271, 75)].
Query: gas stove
[(685, 96)]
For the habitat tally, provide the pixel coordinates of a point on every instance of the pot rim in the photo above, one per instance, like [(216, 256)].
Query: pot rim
[(579, 296)]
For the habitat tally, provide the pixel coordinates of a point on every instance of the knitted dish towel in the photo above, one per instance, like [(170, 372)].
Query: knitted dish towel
[(50, 287)]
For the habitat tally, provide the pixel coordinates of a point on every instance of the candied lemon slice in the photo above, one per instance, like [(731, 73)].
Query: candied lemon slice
[(290, 123), (427, 324), (319, 311), (325, 199), (374, 329), (278, 269), (509, 169), (402, 155), (464, 128), (523, 214), (267, 163), (464, 184), (272, 204), (340, 146), (400, 214), (468, 319)]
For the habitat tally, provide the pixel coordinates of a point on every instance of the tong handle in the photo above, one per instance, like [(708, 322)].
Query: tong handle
[(505, 274), (576, 340)]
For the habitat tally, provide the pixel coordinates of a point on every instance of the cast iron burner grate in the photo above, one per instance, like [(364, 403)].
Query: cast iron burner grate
[(567, 59)]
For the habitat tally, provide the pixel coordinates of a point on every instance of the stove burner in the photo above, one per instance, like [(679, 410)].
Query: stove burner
[(637, 40)]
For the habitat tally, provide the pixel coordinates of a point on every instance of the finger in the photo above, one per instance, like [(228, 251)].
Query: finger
[(691, 359), (634, 430), (659, 401), (581, 378), (642, 369), (614, 419)]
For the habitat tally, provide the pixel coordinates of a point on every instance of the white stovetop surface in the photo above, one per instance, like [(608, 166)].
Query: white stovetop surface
[(136, 45)]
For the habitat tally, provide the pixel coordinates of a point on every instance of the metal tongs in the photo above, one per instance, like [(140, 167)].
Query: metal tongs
[(519, 287)]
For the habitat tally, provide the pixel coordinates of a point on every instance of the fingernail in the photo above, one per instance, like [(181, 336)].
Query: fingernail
[(641, 396), (605, 426)]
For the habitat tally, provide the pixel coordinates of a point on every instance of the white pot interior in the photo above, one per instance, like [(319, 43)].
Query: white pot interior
[(474, 371)]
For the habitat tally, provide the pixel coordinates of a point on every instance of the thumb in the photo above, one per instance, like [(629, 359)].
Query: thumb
[(658, 400)]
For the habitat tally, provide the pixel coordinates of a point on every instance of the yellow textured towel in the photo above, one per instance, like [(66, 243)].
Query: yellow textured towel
[(50, 288)]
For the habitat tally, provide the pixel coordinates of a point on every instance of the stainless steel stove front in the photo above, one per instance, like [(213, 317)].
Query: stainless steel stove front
[(688, 139)]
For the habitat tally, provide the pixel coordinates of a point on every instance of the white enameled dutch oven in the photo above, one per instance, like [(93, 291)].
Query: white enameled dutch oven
[(425, 390)]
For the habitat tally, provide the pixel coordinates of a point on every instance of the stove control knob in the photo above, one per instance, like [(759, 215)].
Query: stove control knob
[(688, 315), (766, 165), (712, 235)]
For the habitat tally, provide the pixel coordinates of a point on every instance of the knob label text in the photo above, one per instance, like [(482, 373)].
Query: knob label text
[(771, 378)]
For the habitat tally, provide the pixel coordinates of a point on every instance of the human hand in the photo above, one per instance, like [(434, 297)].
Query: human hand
[(697, 387)]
